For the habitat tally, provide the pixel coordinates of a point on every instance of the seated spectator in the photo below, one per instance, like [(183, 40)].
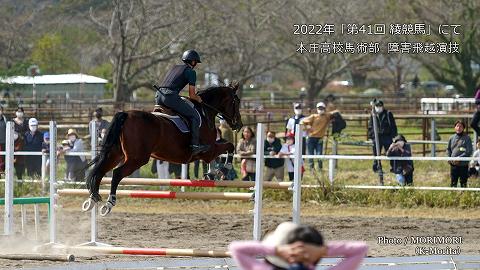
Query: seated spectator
[(298, 247), (75, 164), (274, 166), (245, 148), (403, 169), (459, 145), (33, 143), (474, 165), (289, 149)]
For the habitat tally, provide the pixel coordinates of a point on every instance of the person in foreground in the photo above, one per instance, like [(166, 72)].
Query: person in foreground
[(296, 247)]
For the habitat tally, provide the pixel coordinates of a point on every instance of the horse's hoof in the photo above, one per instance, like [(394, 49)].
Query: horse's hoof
[(209, 176), (106, 209), (88, 205)]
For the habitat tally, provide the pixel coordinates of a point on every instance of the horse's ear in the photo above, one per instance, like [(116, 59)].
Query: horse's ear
[(234, 85)]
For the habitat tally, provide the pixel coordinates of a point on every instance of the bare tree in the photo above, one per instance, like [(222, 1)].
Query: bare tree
[(455, 68), (141, 34)]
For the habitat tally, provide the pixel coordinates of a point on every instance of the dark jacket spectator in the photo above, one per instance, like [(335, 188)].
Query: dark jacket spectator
[(459, 145), (274, 166), (387, 130), (33, 143), (403, 169), (20, 122)]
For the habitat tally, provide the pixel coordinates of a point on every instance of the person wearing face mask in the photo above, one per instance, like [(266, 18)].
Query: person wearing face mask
[(33, 143), (287, 150), (100, 124), (403, 169), (20, 123), (3, 135), (75, 164), (387, 129), (274, 166), (459, 145), (316, 125), (293, 121)]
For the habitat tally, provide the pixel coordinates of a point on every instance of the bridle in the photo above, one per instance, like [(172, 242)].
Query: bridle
[(222, 115)]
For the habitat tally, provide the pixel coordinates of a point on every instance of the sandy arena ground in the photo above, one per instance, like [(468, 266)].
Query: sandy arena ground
[(207, 225)]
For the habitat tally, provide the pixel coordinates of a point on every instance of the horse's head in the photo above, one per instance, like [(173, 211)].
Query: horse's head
[(225, 100)]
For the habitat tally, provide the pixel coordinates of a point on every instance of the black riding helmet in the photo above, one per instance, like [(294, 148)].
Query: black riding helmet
[(191, 55)]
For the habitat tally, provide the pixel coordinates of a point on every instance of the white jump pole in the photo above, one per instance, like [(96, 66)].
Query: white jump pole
[(257, 211), (184, 174), (9, 148), (297, 174), (53, 180)]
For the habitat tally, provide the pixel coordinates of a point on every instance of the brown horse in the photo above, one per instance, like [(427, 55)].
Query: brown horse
[(135, 136)]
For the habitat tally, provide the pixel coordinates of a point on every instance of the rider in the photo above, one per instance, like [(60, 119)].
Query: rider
[(168, 94)]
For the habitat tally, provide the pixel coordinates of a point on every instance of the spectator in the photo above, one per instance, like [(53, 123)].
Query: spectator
[(103, 133), (403, 169), (475, 124), (20, 123), (3, 135), (220, 161), (459, 145), (474, 165), (46, 148), (387, 130), (245, 148), (289, 149), (227, 133), (100, 123), (275, 166), (293, 246), (316, 126), (293, 121), (33, 143), (75, 164)]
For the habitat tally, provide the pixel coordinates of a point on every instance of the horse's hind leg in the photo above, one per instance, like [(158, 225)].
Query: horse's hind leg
[(127, 168)]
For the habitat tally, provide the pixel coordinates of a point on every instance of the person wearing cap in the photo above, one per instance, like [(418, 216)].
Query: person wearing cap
[(403, 169), (293, 121), (293, 246), (3, 135), (316, 126), (287, 150), (75, 164), (168, 95), (387, 129), (459, 145), (100, 123), (33, 143), (475, 124)]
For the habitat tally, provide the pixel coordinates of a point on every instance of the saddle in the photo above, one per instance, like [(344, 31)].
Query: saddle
[(180, 121)]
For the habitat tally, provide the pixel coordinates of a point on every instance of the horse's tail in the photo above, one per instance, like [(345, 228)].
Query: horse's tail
[(112, 139)]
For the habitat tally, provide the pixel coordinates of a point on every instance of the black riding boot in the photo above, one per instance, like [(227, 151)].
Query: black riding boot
[(196, 147)]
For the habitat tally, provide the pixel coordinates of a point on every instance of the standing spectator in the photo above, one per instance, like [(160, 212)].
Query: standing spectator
[(227, 133), (387, 130), (245, 148), (33, 143), (459, 145), (474, 165), (3, 135), (289, 149), (403, 169), (316, 125), (475, 124), (20, 123), (274, 166), (75, 164), (100, 123), (46, 148), (293, 121)]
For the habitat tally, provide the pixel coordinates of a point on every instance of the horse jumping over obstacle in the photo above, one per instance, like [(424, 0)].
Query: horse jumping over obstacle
[(135, 136)]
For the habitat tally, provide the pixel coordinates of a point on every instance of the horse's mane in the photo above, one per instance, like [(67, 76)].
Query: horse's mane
[(210, 89)]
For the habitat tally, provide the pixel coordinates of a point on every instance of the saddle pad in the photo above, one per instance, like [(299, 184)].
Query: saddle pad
[(181, 125)]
